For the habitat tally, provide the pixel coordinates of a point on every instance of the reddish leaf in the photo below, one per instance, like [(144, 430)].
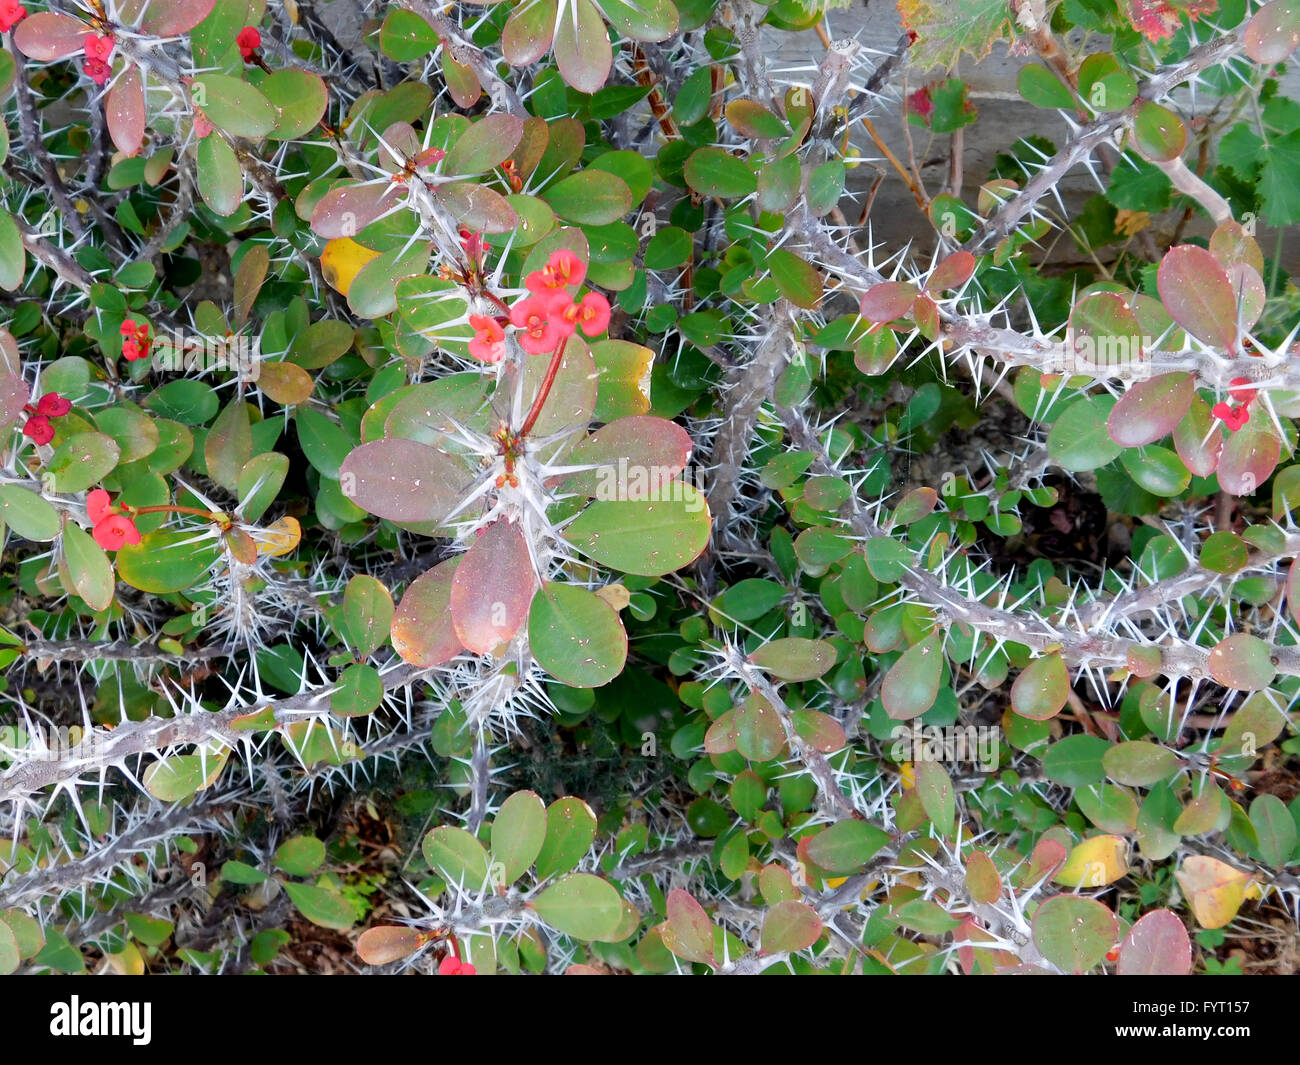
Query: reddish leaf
[(423, 633), (402, 480), (478, 207), (636, 456), (953, 272), (912, 683), (484, 145), (790, 926), (388, 943), (46, 36), (688, 932), (124, 111), (347, 210), (527, 33), (1157, 945), (582, 49), (1151, 409), (493, 588), (1196, 292), (887, 301), (1249, 456), (168, 17)]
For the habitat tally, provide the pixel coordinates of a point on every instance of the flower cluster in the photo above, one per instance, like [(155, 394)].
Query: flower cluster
[(97, 49), (453, 966), (113, 528), (546, 317), (136, 344), (11, 13), (1234, 417), (249, 41), (38, 427)]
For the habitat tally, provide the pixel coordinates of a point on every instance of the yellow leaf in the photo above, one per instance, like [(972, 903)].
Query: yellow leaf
[(907, 774), (129, 962), (342, 260), (280, 537), (1214, 890), (616, 595), (1095, 862)]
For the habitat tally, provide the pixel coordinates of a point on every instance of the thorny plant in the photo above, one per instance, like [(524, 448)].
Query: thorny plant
[(350, 388)]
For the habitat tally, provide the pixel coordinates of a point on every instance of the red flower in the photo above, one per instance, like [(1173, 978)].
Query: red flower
[(97, 70), (117, 530), (128, 328), (53, 405), (98, 506), (593, 314), (489, 343), (99, 48), (562, 269), (453, 966), (536, 317), (131, 350), (1240, 390), (39, 429), (1233, 417), (249, 40), (11, 13)]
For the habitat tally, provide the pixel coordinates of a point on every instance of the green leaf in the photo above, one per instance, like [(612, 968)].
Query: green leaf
[(582, 906), (1139, 763), (798, 281), (946, 28), (846, 846), (716, 172), (321, 906), (570, 829), (167, 560), (300, 856), (592, 197), (358, 691), (83, 460), (1279, 184), (13, 256), (27, 513), (1074, 933), (938, 799), (229, 443), (1080, 439), (669, 248), (242, 873), (518, 833), (1041, 689), (794, 658), (1276, 829), (86, 568), (642, 536), (367, 613), (576, 636), (175, 778), (234, 105), (457, 857)]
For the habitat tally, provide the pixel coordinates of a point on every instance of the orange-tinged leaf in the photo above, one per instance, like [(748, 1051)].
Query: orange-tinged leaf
[(1214, 889)]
